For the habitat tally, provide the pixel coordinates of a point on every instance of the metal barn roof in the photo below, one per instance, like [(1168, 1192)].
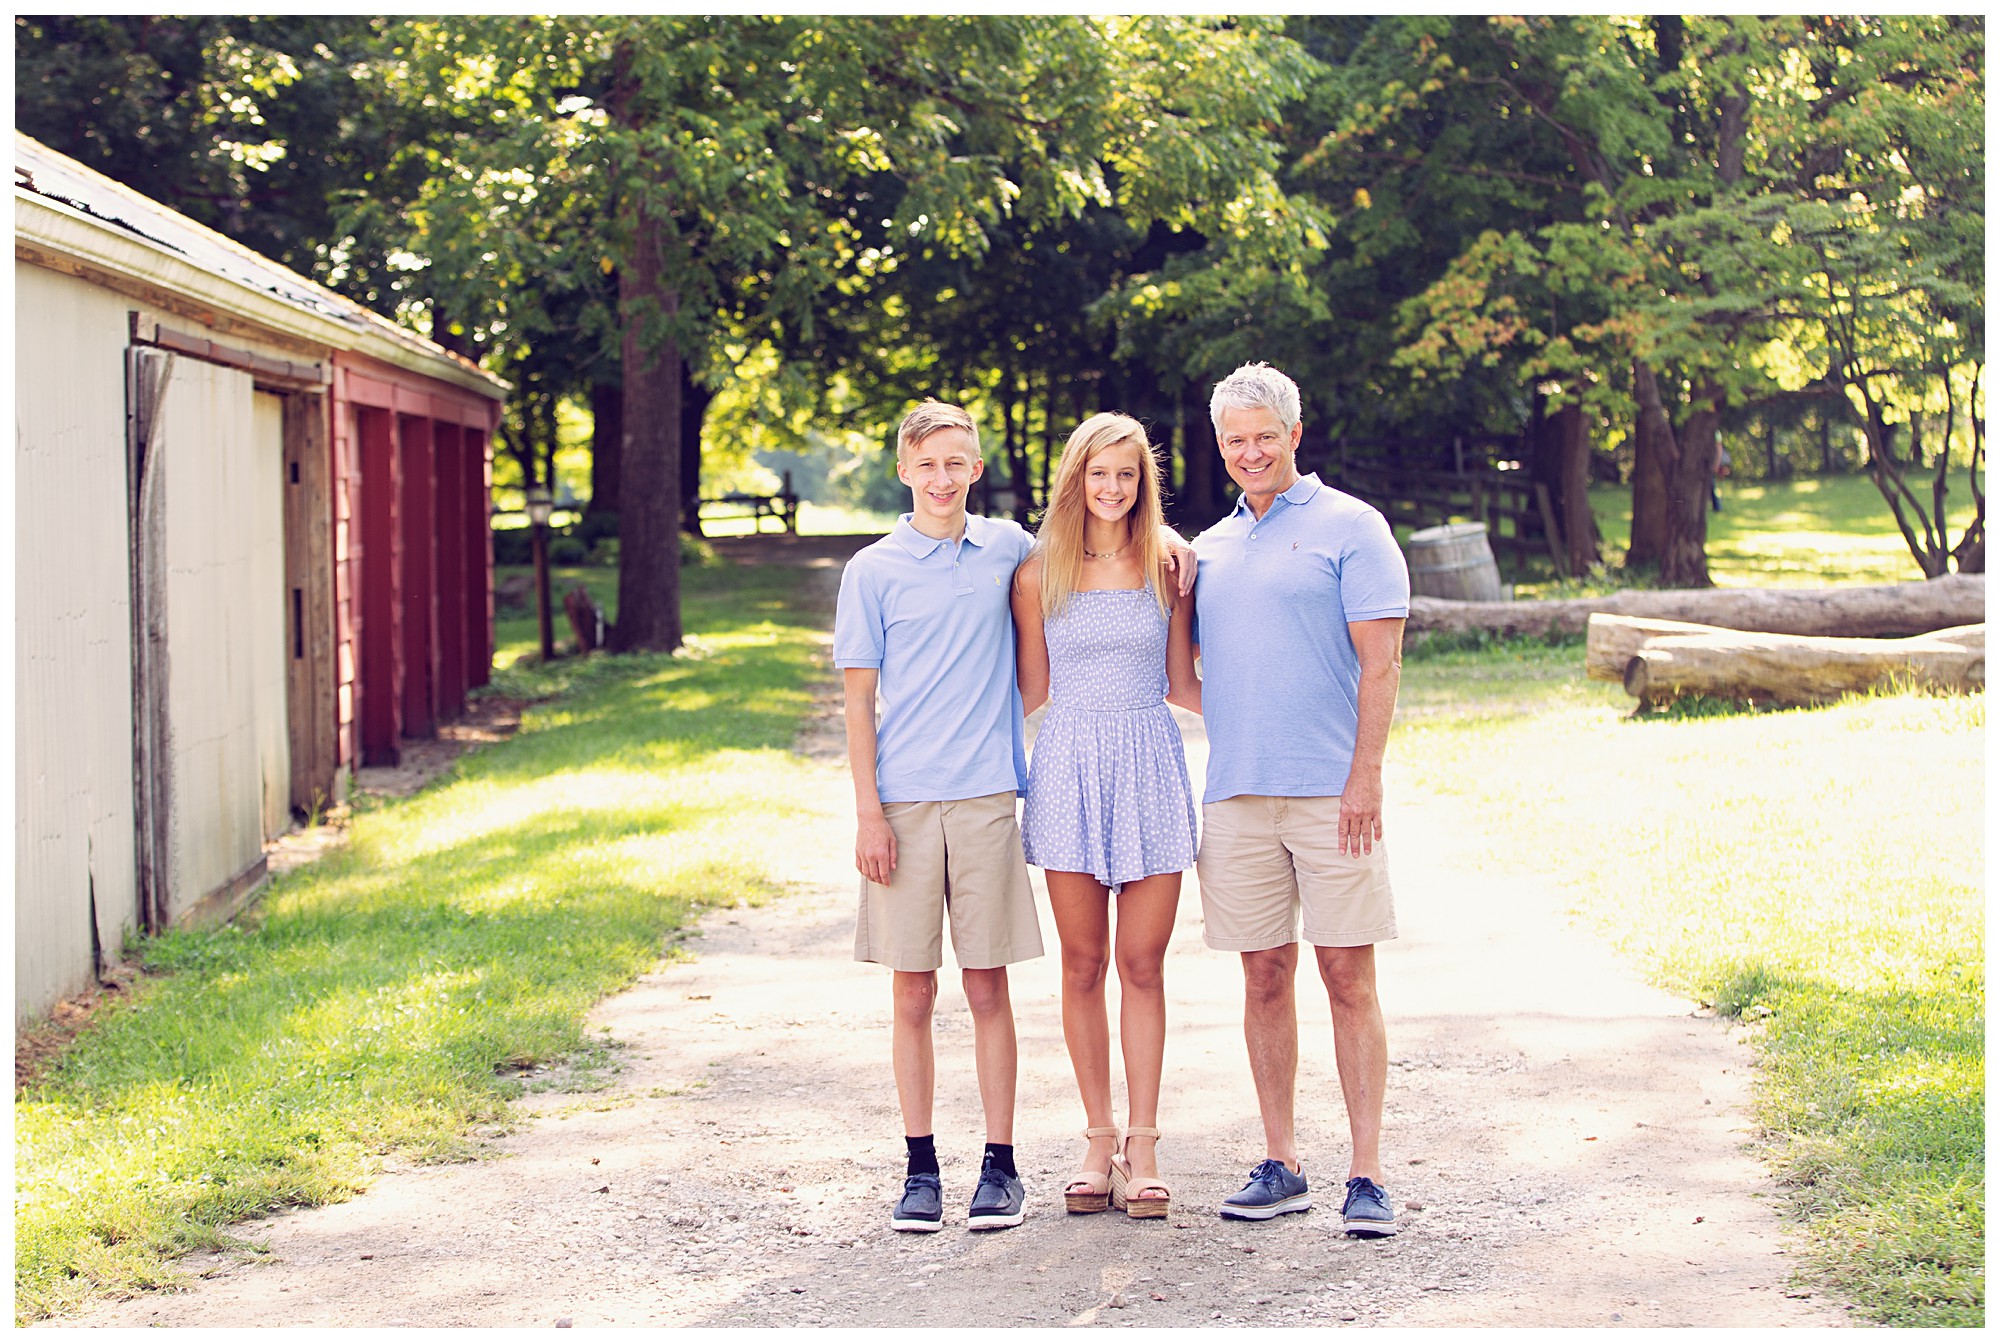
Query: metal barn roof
[(93, 218)]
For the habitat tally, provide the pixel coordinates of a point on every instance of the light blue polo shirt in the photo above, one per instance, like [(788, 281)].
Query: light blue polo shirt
[(1280, 680), (937, 618)]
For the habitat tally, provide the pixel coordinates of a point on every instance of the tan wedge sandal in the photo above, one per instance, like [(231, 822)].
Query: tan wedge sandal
[(1089, 1190), (1149, 1197)]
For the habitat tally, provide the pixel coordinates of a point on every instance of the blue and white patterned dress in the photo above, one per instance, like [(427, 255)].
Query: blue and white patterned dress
[(1108, 786)]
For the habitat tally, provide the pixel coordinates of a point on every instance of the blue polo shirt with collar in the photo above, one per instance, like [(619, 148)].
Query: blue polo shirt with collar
[(1280, 680), (936, 618)]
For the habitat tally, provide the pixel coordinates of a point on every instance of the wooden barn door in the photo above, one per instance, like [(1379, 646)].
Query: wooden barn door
[(311, 680), (215, 613), (380, 549)]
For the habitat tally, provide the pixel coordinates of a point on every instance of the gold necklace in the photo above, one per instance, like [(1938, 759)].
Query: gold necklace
[(1106, 554)]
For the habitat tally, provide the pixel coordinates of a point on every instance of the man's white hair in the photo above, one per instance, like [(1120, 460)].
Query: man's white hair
[(1255, 387)]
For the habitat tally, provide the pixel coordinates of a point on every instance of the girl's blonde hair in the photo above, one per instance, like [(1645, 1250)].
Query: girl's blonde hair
[(1060, 539)]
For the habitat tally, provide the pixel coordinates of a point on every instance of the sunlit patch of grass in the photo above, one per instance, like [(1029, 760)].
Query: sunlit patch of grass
[(1820, 531), (381, 999), (814, 520), (1476, 676), (1818, 871)]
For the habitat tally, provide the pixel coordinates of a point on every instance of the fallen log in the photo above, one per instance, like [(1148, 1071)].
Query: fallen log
[(1610, 641), (1886, 611), (1769, 668)]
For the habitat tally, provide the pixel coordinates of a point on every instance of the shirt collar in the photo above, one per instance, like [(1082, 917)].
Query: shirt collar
[(1298, 492), (977, 533)]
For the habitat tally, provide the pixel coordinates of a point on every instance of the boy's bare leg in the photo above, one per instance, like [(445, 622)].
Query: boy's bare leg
[(993, 1049), (915, 995), (1271, 1031)]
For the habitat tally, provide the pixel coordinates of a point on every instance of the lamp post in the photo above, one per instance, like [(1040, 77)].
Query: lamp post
[(539, 507)]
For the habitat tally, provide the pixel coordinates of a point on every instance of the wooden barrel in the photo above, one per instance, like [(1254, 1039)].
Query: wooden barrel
[(1455, 561)]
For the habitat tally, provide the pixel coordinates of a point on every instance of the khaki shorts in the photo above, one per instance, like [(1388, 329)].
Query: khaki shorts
[(1264, 859), (960, 860)]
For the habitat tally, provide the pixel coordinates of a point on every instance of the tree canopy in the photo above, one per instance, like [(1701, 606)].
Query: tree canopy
[(1596, 244)]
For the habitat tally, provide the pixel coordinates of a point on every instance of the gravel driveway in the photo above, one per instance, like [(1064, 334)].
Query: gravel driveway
[(1566, 1145)]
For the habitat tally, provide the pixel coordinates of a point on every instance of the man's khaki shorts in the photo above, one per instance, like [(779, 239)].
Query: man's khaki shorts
[(1263, 860), (960, 860)]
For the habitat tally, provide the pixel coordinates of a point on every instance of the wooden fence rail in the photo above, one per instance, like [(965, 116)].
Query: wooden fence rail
[(784, 506), (1519, 516)]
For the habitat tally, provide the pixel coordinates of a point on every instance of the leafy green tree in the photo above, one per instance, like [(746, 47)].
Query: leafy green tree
[(252, 125), (754, 165), (1873, 244)]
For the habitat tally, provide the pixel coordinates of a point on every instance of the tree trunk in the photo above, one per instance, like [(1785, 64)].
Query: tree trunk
[(1887, 473), (1689, 482), (649, 551), (694, 410), (1572, 490), (607, 442), (1887, 611), (1653, 456), (442, 334), (1054, 435), (1201, 464), (1665, 663), (1969, 555)]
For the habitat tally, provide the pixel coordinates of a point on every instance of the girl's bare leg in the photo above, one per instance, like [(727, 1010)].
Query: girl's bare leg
[(1146, 912), (1081, 906)]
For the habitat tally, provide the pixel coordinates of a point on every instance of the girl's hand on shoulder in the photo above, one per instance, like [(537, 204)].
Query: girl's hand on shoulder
[(1180, 559)]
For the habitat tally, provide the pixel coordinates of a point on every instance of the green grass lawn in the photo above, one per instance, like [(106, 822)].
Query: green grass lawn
[(381, 999), (1801, 533), (1818, 873)]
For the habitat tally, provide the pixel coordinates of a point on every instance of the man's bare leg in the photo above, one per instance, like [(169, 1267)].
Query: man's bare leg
[(1271, 1032), (1360, 1049)]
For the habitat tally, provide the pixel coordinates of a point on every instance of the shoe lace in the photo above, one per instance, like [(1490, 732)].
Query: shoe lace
[(1268, 1170), (992, 1175)]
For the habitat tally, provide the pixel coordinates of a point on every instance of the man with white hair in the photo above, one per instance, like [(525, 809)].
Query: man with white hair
[(1300, 603)]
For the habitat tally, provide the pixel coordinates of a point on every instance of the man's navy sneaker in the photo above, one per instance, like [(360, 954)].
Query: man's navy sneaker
[(921, 1208), (997, 1203), (1274, 1188), (1367, 1211)]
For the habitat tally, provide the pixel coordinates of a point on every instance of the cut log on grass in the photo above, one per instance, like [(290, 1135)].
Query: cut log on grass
[(1610, 641), (1783, 668), (1888, 611)]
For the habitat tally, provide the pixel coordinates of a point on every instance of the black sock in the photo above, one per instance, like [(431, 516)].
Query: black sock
[(1000, 1156), (923, 1155)]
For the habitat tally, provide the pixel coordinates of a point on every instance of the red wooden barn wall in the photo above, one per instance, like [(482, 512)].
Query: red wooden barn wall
[(413, 552)]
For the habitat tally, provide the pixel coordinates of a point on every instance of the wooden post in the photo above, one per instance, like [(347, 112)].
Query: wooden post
[(541, 544), (1550, 531)]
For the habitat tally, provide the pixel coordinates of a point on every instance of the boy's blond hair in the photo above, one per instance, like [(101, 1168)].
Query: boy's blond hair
[(927, 419)]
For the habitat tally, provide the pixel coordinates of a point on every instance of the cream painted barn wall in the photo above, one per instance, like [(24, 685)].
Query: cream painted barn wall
[(73, 826), (270, 632), (222, 457)]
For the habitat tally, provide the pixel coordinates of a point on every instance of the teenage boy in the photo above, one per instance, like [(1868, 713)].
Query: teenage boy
[(924, 621)]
